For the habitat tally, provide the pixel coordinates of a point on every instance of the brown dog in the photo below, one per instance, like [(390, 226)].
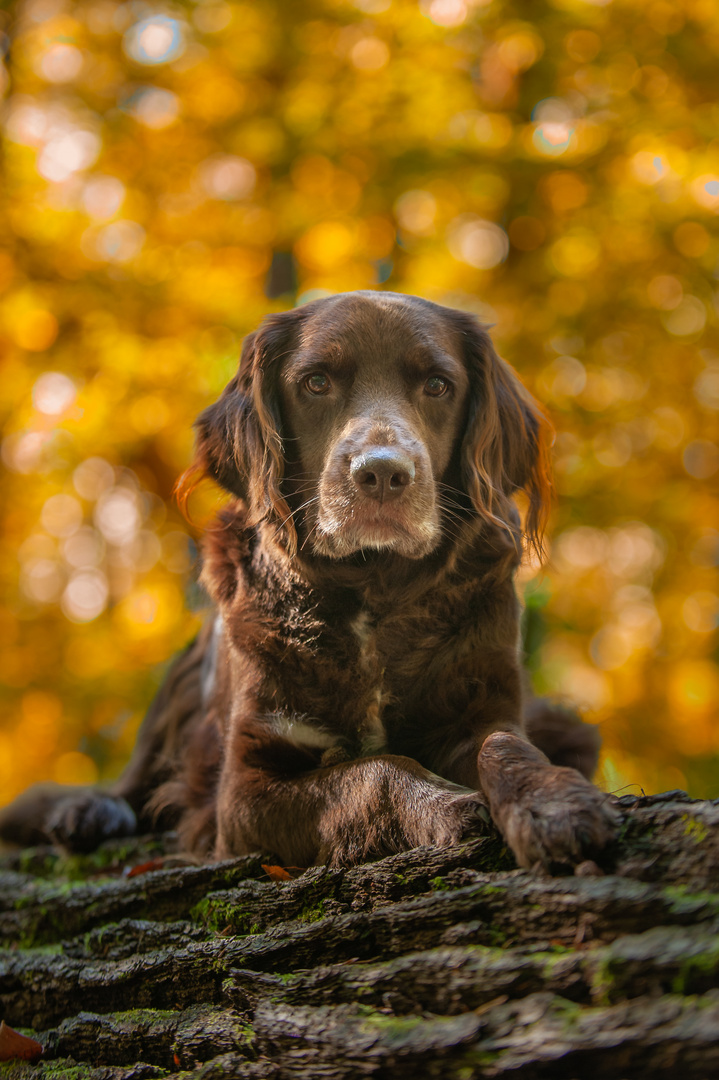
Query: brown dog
[(359, 691)]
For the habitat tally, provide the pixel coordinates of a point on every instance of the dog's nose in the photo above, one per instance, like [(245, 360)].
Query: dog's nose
[(382, 473)]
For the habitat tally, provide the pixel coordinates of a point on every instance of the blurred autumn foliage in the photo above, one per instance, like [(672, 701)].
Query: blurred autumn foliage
[(174, 171)]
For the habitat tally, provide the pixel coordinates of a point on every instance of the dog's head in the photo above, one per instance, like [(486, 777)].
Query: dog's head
[(377, 420)]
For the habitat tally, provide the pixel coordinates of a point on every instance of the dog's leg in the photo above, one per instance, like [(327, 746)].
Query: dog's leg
[(80, 818), (346, 813), (77, 818), (549, 815)]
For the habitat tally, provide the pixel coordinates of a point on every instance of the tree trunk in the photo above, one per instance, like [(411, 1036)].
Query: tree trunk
[(435, 963)]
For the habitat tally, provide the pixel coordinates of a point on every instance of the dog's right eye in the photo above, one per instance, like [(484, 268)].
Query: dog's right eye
[(317, 383)]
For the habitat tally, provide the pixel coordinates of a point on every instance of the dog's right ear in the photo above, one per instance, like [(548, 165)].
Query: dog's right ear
[(239, 437), (227, 434)]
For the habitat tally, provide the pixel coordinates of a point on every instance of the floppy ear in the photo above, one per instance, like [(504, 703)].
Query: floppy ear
[(507, 442), (239, 437)]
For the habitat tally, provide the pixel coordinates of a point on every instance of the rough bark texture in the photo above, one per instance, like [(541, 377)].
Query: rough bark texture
[(435, 963)]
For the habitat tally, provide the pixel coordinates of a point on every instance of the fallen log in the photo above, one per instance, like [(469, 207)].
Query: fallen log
[(130, 963)]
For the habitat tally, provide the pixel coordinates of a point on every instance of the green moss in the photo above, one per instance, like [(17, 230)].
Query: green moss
[(497, 938), (477, 1059), (697, 970), (67, 888), (439, 884), (35, 862), (38, 925), (603, 980), (53, 949), (201, 911), (492, 890), (683, 900), (147, 1017), (694, 829), (218, 915), (567, 1012), (245, 1036), (312, 912), (62, 1069), (550, 960), (394, 1025)]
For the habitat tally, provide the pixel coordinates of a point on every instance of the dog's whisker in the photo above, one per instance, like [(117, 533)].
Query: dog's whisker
[(448, 487), (310, 532), (302, 489), (315, 498), (301, 476), (451, 515), (451, 534)]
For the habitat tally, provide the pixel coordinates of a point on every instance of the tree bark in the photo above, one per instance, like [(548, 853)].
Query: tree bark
[(436, 962)]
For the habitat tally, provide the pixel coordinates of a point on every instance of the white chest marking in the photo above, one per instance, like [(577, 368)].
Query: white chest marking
[(208, 669), (300, 733), (373, 737)]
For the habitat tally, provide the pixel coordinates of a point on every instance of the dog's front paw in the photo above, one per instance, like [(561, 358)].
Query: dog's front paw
[(82, 820), (550, 816), (561, 822)]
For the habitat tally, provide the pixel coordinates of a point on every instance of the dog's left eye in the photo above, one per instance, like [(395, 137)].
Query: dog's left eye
[(436, 386), (317, 383)]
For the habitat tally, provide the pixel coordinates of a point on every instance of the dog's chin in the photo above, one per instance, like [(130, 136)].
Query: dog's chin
[(337, 540)]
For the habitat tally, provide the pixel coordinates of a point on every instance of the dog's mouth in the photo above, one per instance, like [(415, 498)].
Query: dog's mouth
[(374, 496), (343, 530)]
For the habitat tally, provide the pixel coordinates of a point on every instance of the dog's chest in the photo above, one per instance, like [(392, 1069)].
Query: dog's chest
[(397, 663), (372, 735)]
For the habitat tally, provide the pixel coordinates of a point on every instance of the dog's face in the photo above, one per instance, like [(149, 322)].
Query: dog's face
[(373, 400), (354, 420)]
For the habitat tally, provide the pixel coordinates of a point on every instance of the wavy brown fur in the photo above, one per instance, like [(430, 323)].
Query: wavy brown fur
[(360, 690)]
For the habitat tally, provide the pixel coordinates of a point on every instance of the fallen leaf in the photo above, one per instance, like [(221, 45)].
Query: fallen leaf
[(277, 873), (13, 1045), (146, 867)]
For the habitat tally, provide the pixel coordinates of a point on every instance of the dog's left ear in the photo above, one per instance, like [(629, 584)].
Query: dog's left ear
[(507, 442)]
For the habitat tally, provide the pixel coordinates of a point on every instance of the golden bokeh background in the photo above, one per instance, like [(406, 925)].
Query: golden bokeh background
[(174, 171)]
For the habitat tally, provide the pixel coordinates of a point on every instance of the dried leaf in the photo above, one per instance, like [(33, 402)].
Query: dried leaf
[(14, 1046), (145, 868), (277, 873)]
